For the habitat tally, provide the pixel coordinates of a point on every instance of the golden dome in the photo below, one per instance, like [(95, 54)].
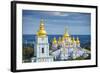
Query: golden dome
[(62, 39), (77, 40), (59, 40), (66, 33), (73, 40), (41, 31), (54, 41)]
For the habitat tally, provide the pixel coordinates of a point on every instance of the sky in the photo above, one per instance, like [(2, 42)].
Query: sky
[(56, 22)]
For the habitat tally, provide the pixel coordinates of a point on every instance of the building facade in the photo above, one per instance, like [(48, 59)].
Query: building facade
[(42, 45)]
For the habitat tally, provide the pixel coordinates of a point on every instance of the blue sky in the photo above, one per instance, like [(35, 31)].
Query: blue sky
[(55, 22)]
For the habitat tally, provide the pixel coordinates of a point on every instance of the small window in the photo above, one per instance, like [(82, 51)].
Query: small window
[(42, 39), (42, 50)]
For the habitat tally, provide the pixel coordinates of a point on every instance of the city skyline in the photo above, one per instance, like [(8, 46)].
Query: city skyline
[(55, 22)]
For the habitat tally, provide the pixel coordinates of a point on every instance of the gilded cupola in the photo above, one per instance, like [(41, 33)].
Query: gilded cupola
[(73, 40), (41, 32), (59, 40), (77, 41), (54, 41), (66, 33)]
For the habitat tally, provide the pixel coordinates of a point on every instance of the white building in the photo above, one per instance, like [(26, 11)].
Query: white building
[(41, 50), (69, 47)]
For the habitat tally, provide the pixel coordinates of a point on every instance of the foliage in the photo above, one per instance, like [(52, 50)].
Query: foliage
[(27, 52)]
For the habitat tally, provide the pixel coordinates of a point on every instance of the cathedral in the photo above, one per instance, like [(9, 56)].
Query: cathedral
[(67, 45), (64, 48)]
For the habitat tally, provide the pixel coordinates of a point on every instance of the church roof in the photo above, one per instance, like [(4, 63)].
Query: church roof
[(41, 32)]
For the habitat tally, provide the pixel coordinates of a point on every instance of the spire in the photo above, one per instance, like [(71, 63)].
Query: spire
[(77, 40), (59, 40), (62, 39), (73, 40), (66, 29), (41, 32), (66, 33), (54, 40), (41, 22)]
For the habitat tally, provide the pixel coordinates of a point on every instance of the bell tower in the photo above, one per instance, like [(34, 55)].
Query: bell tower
[(42, 45)]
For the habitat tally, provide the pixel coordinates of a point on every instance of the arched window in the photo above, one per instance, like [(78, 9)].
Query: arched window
[(42, 50)]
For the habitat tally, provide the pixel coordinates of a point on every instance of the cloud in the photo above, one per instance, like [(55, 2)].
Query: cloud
[(60, 14), (55, 13)]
